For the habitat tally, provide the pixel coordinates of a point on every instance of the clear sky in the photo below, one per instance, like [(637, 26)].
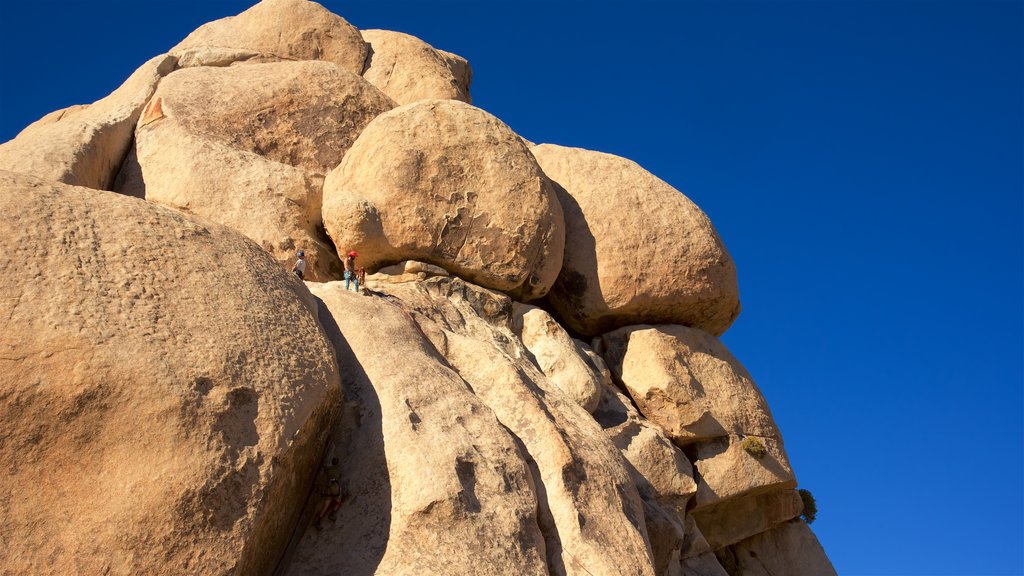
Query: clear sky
[(862, 160)]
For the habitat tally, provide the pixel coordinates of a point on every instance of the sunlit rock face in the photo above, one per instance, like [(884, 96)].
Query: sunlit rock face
[(527, 380)]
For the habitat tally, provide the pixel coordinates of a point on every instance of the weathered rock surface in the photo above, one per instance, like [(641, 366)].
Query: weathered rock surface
[(637, 250), (408, 69), (687, 382), (562, 359), (245, 146), (727, 470), (740, 518), (445, 183), (407, 271), (275, 204), (590, 512), (304, 114), (660, 467), (85, 145), (437, 484), (288, 29), (165, 389), (790, 549)]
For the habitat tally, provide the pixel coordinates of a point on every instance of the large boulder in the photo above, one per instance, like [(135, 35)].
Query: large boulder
[(288, 29), (408, 69), (590, 513), (247, 145), (164, 389), (304, 114), (790, 549), (445, 183), (436, 484), (737, 519), (636, 250), (687, 382), (561, 358), (85, 145)]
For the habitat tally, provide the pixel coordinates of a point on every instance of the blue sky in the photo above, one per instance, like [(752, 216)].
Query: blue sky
[(863, 162)]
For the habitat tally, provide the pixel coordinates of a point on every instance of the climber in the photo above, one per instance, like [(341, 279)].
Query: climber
[(332, 494), (350, 270), (361, 278), (300, 265)]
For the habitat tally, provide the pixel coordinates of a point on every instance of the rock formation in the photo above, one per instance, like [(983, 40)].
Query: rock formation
[(408, 69), (166, 389), (448, 184), (637, 251), (177, 392)]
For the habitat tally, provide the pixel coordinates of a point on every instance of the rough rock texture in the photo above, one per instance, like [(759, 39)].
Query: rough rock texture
[(304, 114), (274, 204), (727, 470), (288, 29), (637, 250), (85, 145), (590, 512), (408, 69), (165, 392), (437, 485), (245, 146), (446, 183), (562, 359), (790, 549), (744, 517), (662, 474), (687, 382)]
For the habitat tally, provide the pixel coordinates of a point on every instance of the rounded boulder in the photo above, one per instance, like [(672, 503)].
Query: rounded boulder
[(165, 389), (445, 183), (636, 250)]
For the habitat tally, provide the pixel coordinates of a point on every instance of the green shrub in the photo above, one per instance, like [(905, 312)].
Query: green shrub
[(810, 506), (754, 446)]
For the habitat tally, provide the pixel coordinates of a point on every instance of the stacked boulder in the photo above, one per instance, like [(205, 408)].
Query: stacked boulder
[(529, 383)]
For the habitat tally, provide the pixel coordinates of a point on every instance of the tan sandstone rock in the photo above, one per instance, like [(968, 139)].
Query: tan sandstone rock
[(727, 470), (437, 485), (304, 114), (590, 512), (687, 382), (85, 145), (275, 204), (704, 565), (408, 69), (637, 250), (245, 146), (164, 388), (660, 466), (790, 549), (740, 518), (445, 183), (288, 29), (562, 359)]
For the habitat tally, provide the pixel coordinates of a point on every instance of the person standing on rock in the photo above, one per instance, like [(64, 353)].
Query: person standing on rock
[(300, 265), (332, 495), (350, 270)]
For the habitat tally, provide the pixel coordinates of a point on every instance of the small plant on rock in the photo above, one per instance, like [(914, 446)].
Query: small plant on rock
[(810, 506), (754, 446)]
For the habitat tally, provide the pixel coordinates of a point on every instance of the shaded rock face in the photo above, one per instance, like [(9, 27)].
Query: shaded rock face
[(246, 146), (176, 391), (85, 145), (445, 183), (408, 69), (589, 510), (437, 484), (165, 383), (636, 249), (287, 29)]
